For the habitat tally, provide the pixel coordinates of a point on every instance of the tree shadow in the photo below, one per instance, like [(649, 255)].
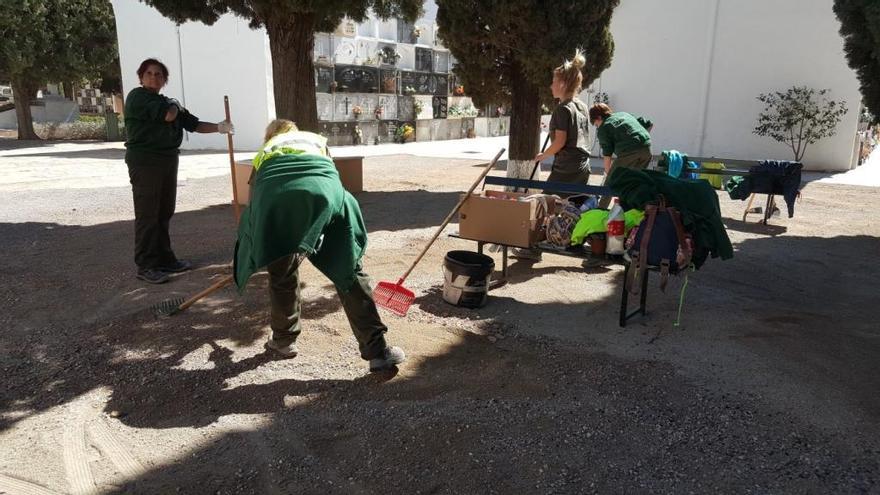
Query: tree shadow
[(754, 227), (538, 406)]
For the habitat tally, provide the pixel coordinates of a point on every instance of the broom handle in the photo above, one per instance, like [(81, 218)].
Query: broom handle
[(451, 213), (231, 161), (223, 282)]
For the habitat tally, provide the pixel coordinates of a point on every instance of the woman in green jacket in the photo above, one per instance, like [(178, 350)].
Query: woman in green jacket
[(154, 124), (623, 136)]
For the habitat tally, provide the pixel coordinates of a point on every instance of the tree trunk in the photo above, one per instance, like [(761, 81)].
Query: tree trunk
[(292, 42), (525, 125), (24, 92), (68, 90)]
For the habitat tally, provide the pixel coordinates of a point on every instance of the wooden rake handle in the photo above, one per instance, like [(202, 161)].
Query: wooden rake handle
[(231, 162), (451, 213), (223, 282)]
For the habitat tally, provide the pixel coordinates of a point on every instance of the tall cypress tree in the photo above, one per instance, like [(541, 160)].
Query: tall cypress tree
[(860, 28), (291, 26), (507, 49)]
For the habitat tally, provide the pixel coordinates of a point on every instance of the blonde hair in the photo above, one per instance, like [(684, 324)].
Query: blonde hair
[(278, 126), (570, 73)]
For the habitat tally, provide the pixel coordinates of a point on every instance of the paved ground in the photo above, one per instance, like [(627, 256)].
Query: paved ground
[(769, 386)]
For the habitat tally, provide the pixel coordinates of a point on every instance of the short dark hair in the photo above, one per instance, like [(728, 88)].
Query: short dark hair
[(148, 62), (599, 110)]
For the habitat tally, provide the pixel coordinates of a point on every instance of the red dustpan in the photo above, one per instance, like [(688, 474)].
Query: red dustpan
[(394, 296)]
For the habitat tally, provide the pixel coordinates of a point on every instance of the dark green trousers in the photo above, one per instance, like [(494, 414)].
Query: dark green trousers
[(363, 316), (154, 190)]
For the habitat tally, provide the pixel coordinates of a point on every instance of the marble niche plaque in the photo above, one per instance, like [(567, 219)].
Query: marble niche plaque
[(405, 32), (440, 106), (345, 102), (424, 59), (388, 130), (323, 48), (366, 53), (369, 131), (388, 81), (407, 58), (323, 79), (406, 108), (356, 79), (338, 133), (453, 130), (441, 85), (344, 50), (427, 107), (324, 103), (467, 127), (388, 103), (441, 61)]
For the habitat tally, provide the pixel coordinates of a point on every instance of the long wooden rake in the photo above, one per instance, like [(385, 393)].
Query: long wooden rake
[(394, 296)]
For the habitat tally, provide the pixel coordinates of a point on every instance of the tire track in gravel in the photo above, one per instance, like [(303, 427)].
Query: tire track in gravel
[(76, 463), (111, 447), (15, 486)]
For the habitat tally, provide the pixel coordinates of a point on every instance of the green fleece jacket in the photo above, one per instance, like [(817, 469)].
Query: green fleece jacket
[(696, 200), (150, 138), (298, 205), (622, 132)]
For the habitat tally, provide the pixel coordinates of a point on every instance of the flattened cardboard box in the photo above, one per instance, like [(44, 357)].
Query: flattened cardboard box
[(491, 218)]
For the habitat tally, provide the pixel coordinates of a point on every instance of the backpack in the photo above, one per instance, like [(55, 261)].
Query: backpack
[(660, 240)]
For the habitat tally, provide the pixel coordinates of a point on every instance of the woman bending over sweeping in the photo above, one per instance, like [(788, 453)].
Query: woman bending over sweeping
[(300, 210)]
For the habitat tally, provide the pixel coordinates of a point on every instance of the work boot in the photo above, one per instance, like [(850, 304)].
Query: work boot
[(152, 276), (526, 254), (391, 357), (177, 267), (285, 351)]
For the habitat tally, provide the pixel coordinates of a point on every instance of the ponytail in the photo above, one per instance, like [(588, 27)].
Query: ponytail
[(571, 72)]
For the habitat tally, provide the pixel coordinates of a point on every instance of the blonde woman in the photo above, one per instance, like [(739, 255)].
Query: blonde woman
[(569, 133), (569, 125), (299, 210)]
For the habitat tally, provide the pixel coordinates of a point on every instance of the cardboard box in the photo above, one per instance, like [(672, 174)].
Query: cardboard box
[(492, 217), (351, 174)]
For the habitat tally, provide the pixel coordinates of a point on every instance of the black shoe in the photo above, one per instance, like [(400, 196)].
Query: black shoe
[(152, 276), (177, 267)]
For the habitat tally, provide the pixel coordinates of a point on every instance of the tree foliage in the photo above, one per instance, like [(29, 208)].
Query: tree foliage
[(860, 28), (798, 117), (507, 49), (50, 41), (291, 26)]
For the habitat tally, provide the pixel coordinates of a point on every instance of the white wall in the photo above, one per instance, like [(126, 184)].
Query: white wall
[(55, 109), (697, 75), (209, 62)]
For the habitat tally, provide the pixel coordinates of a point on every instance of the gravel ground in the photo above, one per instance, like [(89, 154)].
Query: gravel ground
[(769, 386)]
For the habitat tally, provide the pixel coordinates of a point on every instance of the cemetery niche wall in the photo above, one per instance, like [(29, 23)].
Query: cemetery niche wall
[(376, 79)]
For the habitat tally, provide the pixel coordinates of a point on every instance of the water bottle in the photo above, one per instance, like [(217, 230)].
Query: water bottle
[(616, 224)]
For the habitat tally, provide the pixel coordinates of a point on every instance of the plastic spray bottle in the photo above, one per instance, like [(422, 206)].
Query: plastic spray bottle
[(615, 226)]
